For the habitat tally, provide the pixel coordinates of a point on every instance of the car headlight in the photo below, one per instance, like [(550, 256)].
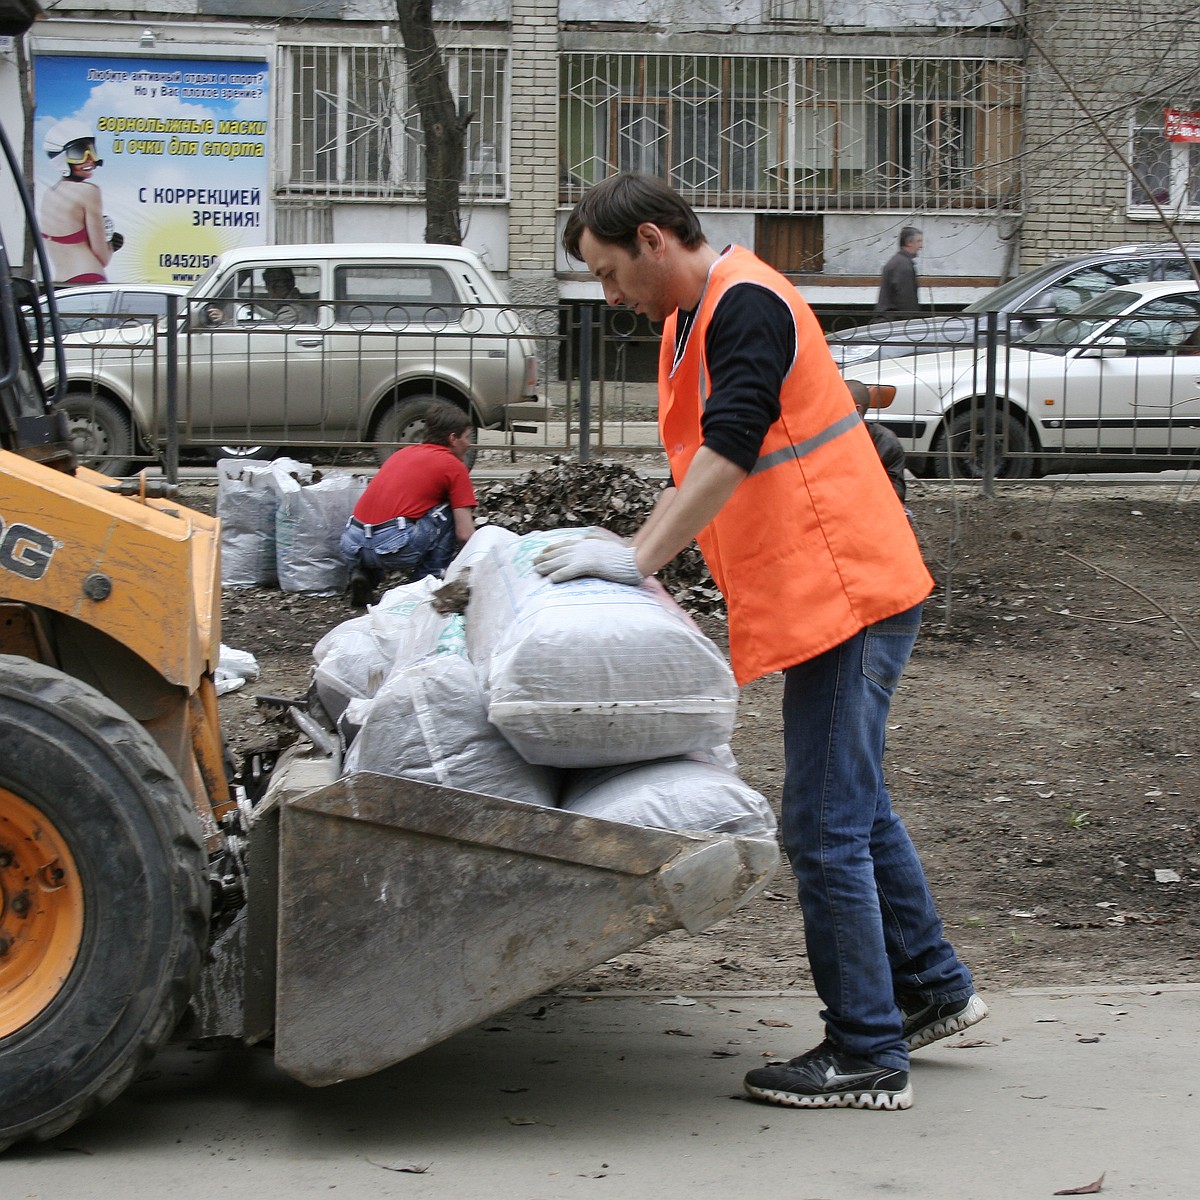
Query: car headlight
[(849, 354)]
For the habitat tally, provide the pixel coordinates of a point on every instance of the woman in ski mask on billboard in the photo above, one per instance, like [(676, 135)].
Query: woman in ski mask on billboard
[(78, 235)]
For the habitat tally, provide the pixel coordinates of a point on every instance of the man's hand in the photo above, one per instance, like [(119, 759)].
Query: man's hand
[(596, 556)]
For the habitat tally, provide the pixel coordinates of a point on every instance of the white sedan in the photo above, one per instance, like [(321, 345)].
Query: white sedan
[(1116, 379)]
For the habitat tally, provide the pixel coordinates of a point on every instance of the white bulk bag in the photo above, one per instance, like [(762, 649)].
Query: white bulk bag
[(246, 501), (428, 722), (354, 658), (588, 672), (484, 541), (676, 793), (308, 527)]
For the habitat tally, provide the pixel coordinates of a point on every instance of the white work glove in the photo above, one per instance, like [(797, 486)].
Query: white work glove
[(599, 555)]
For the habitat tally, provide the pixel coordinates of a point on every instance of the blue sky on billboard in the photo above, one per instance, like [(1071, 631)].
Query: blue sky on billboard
[(185, 146)]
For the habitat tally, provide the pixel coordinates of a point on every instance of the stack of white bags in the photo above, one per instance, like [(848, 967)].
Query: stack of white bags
[(596, 697), (281, 522)]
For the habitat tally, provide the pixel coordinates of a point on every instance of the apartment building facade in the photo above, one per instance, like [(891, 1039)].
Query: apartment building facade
[(809, 130)]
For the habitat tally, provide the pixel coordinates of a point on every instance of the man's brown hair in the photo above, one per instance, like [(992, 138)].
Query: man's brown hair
[(615, 207)]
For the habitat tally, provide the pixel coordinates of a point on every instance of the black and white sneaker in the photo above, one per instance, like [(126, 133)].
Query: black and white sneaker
[(936, 1021), (827, 1078)]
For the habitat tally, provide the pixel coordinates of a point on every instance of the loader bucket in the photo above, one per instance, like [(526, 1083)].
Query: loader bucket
[(409, 912)]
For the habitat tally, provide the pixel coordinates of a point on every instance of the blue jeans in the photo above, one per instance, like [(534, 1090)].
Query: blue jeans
[(424, 546), (873, 934)]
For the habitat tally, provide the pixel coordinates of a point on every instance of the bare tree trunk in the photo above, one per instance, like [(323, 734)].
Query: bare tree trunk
[(25, 85), (444, 130)]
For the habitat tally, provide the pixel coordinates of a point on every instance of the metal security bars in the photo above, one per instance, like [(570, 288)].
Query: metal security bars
[(351, 127), (796, 134), (1165, 173)]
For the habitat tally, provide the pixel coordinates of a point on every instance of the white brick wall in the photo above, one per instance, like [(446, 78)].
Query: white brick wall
[(1111, 54)]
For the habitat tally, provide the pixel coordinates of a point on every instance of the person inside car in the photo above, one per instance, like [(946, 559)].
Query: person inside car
[(284, 305)]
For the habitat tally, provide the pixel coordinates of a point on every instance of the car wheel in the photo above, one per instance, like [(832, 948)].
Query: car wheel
[(104, 899), (100, 433), (958, 449), (403, 423), (214, 454)]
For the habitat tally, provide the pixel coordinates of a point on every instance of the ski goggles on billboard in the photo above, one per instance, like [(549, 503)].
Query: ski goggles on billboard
[(80, 152)]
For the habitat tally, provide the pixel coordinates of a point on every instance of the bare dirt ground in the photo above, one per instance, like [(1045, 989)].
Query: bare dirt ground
[(1043, 747)]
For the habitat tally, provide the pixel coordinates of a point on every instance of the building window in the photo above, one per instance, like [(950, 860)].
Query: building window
[(796, 11), (1165, 173), (796, 134), (350, 126)]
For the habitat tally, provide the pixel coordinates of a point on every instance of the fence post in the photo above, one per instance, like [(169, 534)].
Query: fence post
[(991, 349), (585, 382), (171, 463)]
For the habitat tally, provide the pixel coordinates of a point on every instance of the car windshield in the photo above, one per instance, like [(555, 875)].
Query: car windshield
[(1067, 332)]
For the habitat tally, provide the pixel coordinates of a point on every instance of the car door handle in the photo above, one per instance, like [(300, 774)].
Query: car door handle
[(308, 342)]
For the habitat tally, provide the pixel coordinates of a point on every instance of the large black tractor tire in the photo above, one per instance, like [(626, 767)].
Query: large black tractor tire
[(104, 900)]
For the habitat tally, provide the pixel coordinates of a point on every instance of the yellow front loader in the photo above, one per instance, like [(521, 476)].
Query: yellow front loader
[(353, 921)]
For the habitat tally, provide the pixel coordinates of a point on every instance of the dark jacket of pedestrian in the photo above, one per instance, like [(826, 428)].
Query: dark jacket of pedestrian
[(898, 282)]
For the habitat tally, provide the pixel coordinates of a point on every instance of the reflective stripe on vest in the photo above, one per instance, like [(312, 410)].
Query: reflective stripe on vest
[(800, 449)]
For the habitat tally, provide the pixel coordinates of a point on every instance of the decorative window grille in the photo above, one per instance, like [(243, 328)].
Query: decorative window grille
[(350, 125), (796, 134), (1166, 173)]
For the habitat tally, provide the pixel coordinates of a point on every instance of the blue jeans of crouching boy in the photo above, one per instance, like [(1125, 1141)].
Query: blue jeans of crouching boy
[(416, 547)]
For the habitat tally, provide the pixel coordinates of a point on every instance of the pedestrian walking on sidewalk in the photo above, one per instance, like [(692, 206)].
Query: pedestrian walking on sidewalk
[(898, 281)]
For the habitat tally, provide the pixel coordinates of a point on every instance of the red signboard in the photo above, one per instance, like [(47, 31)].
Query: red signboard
[(1181, 126)]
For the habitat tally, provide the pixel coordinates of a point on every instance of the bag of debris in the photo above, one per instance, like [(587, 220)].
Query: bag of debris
[(354, 658), (487, 539), (246, 502), (429, 722), (309, 521), (590, 673), (676, 793)]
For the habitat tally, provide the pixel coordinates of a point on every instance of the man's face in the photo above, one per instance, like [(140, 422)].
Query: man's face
[(914, 244), (641, 281)]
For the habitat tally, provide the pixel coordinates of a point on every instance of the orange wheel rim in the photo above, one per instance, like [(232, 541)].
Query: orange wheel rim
[(41, 912)]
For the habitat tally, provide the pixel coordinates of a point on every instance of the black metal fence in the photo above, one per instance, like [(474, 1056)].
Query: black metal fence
[(977, 401)]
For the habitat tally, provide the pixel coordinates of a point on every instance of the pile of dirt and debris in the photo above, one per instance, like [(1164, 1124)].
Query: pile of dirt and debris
[(1042, 747), (611, 495)]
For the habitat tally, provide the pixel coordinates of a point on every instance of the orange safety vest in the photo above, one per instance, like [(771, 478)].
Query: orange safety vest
[(814, 544)]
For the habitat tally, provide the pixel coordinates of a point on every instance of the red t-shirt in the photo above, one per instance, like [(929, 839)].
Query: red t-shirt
[(414, 480)]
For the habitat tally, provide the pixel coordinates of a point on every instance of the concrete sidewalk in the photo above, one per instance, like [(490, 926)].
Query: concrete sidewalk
[(632, 1096)]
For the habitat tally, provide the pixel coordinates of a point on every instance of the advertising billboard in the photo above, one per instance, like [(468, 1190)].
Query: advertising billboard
[(147, 168)]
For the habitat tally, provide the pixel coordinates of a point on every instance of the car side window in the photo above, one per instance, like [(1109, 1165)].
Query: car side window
[(1077, 288), (1176, 268), (420, 292), (270, 294), (1170, 325), (145, 304), (81, 311)]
